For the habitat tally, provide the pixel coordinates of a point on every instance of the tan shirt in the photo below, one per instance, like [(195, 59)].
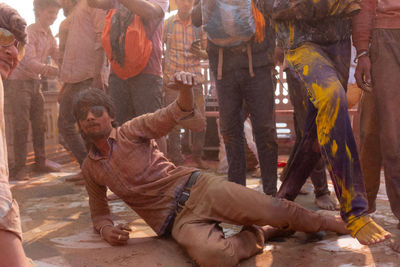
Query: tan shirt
[(137, 171), (9, 212), (179, 38), (41, 44), (84, 38)]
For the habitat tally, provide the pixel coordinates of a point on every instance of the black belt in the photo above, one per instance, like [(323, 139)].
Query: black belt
[(186, 191)]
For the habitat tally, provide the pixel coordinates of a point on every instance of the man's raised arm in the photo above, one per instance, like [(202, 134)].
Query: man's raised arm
[(182, 112)]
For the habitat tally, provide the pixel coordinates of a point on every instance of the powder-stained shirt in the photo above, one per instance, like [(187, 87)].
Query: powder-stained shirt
[(379, 14), (9, 212), (84, 39), (179, 38), (41, 44), (320, 22), (136, 171)]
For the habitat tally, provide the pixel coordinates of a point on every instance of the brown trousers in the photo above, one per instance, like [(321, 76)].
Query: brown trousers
[(380, 121), (27, 102), (214, 200)]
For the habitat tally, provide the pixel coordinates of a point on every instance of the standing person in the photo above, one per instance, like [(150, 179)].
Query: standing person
[(142, 93), (178, 201), (184, 44), (83, 65), (376, 36), (24, 87), (316, 39), (67, 6), (236, 86), (298, 97), (12, 40)]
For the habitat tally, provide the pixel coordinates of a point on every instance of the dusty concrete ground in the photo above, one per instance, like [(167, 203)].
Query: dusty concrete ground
[(57, 231)]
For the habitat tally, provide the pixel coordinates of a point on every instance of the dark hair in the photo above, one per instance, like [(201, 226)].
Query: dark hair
[(93, 97), (12, 21), (39, 5)]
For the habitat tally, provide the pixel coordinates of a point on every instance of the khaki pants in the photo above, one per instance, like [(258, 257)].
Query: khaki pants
[(380, 123), (213, 200)]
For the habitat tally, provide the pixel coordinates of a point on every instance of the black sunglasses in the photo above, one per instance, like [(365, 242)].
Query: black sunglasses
[(97, 111)]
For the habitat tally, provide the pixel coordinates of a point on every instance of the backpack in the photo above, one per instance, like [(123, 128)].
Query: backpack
[(135, 50), (228, 22)]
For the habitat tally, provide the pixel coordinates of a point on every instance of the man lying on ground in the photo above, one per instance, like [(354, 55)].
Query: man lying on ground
[(181, 201)]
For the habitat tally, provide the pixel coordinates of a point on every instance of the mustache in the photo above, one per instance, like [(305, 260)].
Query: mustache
[(90, 124)]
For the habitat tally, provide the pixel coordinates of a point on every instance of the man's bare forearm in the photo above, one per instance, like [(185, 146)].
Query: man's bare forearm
[(102, 4), (143, 8)]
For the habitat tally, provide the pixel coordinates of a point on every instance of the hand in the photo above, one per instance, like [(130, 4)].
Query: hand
[(50, 72), (279, 56), (196, 50), (363, 73), (182, 81), (98, 82), (116, 235)]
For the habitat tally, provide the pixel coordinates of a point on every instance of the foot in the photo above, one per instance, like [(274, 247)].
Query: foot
[(20, 175), (257, 173), (201, 164), (371, 233), (74, 177), (327, 202), (47, 167), (303, 192), (272, 232), (112, 196), (395, 244)]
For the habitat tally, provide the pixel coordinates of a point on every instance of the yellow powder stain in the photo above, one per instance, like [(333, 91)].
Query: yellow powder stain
[(325, 120), (305, 70), (306, 55), (348, 152), (291, 33), (334, 148)]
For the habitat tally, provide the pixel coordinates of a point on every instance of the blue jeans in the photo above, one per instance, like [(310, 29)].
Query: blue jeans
[(235, 88), (135, 96)]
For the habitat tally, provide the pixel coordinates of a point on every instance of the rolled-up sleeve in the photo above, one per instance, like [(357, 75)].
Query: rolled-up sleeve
[(363, 24), (160, 123), (99, 209)]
